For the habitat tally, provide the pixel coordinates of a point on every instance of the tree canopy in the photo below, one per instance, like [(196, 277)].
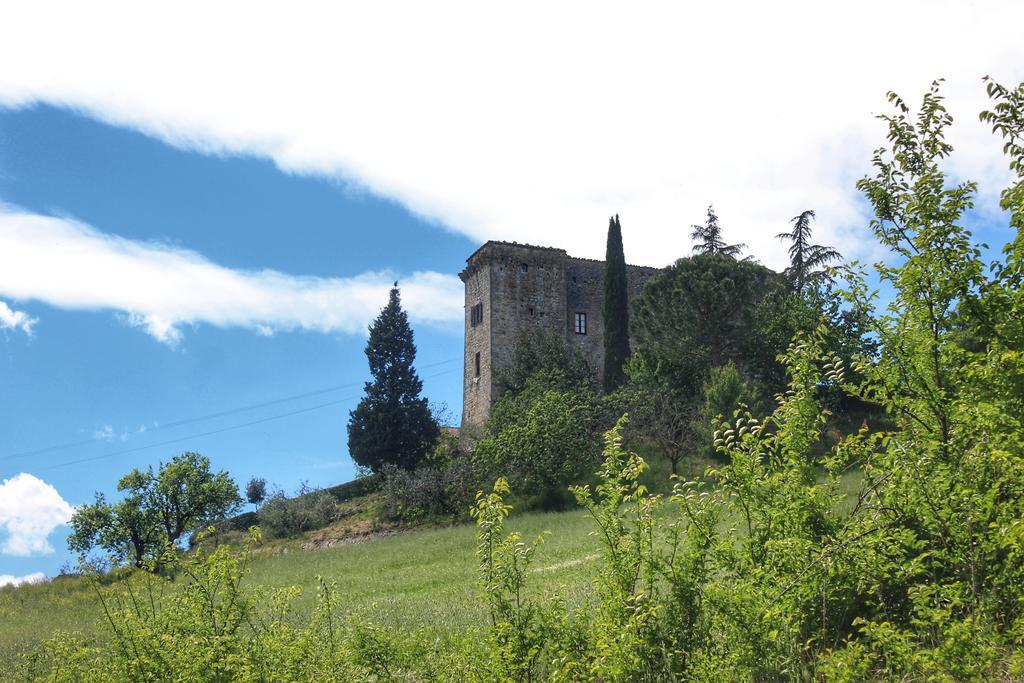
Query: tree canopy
[(805, 258), (156, 510), (392, 423), (709, 241)]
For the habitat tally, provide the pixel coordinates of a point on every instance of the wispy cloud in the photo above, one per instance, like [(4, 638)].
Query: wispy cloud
[(654, 111), (108, 433), (15, 320), (30, 509), (162, 289)]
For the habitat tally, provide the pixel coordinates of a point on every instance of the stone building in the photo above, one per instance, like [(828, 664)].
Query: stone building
[(513, 288)]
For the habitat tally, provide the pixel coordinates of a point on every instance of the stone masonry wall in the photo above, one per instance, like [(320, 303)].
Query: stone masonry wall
[(523, 287), (586, 295)]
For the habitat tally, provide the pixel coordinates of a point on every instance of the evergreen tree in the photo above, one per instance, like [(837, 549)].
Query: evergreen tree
[(709, 238), (805, 258), (392, 423), (616, 309)]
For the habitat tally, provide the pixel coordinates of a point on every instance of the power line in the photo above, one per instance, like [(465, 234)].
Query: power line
[(210, 416), (216, 431)]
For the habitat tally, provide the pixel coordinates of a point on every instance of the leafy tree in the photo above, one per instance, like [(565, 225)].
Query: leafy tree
[(661, 413), (543, 438), (700, 313), (805, 258), (157, 509), (616, 309), (538, 351), (725, 392), (392, 423), (256, 491), (709, 238)]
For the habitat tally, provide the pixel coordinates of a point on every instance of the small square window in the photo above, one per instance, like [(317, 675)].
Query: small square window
[(581, 323), (525, 267)]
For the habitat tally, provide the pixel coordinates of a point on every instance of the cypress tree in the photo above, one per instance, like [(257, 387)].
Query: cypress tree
[(392, 423), (616, 309)]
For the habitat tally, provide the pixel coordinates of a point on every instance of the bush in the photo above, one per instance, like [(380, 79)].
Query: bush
[(285, 517), (428, 491), (542, 439)]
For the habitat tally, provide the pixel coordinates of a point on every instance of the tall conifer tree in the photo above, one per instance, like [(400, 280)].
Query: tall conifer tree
[(392, 423), (616, 309)]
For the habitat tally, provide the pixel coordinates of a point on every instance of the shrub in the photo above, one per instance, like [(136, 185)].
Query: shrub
[(286, 517), (445, 489), (542, 439)]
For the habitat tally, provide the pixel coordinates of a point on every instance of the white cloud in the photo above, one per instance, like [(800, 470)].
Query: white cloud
[(15, 320), (536, 122), (30, 509), (34, 577), (160, 288), (108, 433), (104, 433)]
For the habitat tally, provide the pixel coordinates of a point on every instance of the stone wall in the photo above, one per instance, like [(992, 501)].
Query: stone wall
[(522, 288)]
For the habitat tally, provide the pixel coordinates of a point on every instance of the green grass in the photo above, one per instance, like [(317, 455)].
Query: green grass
[(416, 578), (411, 579), (430, 577)]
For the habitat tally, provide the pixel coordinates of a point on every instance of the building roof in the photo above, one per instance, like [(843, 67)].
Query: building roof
[(522, 245)]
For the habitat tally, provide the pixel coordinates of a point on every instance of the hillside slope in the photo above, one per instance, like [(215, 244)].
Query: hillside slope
[(412, 578)]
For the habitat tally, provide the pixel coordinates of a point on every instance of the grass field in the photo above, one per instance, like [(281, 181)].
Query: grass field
[(415, 578), (411, 579)]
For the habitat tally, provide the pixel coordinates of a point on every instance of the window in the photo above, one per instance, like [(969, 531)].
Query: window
[(476, 314), (581, 323), (531, 310), (476, 364), (525, 267)]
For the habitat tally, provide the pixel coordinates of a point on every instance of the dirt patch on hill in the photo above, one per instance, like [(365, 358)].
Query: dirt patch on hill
[(347, 533)]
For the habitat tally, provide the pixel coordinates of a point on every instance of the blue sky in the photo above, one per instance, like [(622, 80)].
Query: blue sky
[(200, 230), (87, 376)]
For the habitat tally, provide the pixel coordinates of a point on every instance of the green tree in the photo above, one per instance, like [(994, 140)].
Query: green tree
[(724, 393), (157, 509), (700, 313), (537, 350), (256, 491), (542, 439), (616, 309), (662, 414), (805, 258), (709, 238), (392, 423)]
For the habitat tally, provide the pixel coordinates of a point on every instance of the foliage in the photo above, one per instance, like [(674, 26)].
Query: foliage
[(538, 351), (805, 259), (699, 313), (256, 491), (662, 414), (217, 627), (286, 517), (709, 240), (542, 439), (436, 490), (156, 510), (517, 633), (392, 423), (616, 309), (725, 393)]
